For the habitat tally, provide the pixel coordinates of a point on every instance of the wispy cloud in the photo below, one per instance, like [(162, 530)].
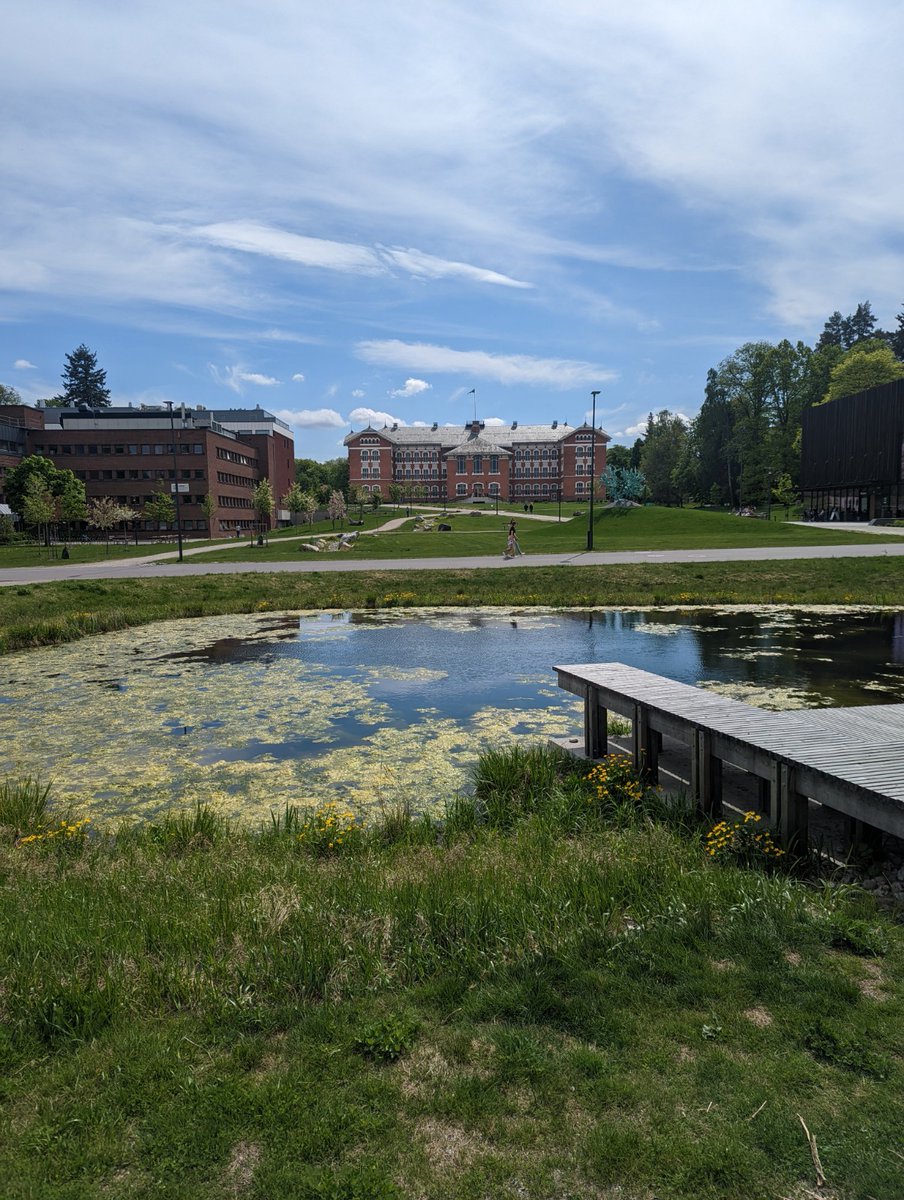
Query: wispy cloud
[(412, 388), (236, 377), (428, 266), (312, 418), (298, 377), (480, 364), (22, 364), (251, 237)]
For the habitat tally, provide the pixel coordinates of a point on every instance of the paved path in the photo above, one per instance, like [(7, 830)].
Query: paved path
[(148, 569)]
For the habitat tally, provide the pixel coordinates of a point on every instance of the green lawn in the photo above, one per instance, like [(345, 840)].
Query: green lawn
[(483, 533), (17, 555), (41, 614), (558, 995)]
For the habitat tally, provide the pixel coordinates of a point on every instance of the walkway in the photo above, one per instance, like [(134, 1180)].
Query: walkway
[(148, 569)]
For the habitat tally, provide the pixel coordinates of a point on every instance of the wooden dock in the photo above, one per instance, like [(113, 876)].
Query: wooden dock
[(849, 759)]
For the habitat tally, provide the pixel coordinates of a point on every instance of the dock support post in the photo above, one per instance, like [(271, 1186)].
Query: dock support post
[(706, 774), (596, 720), (863, 835), (793, 812), (645, 745)]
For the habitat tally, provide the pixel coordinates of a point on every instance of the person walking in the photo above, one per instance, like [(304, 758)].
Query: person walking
[(511, 547)]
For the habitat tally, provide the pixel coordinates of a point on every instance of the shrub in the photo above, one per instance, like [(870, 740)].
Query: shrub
[(745, 842), (329, 829)]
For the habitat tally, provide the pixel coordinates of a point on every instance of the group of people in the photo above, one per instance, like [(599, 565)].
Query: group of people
[(511, 546)]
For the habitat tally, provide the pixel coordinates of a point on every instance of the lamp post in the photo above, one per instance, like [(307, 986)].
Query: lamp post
[(176, 479), (592, 472)]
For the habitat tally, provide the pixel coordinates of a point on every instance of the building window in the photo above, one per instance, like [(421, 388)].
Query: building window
[(461, 489), (477, 463), (460, 464), (494, 464)]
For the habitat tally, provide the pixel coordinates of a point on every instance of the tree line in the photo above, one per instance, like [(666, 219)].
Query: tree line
[(743, 447)]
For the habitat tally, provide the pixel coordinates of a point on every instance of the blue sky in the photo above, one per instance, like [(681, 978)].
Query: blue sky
[(360, 211)]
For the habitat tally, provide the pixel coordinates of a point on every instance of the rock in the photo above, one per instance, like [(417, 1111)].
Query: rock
[(444, 528)]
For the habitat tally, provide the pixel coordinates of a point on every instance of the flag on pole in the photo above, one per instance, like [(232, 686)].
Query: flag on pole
[(472, 392)]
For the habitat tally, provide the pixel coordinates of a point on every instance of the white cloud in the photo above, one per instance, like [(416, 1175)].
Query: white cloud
[(412, 388), (358, 393), (22, 364), (250, 237), (503, 368), (427, 266), (236, 377), (253, 238), (372, 416), (307, 418), (495, 421), (298, 377)]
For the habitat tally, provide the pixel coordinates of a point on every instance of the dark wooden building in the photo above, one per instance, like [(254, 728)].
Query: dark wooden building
[(852, 452)]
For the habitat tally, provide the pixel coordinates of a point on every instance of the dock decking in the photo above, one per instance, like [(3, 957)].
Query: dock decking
[(850, 759)]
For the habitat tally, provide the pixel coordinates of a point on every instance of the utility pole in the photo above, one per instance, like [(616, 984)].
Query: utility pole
[(176, 478), (592, 472)]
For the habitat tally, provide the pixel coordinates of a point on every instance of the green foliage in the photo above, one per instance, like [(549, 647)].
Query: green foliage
[(330, 829), (9, 395), (664, 442), (55, 482), (24, 807), (161, 507), (858, 936), (198, 828), (830, 1043), (745, 841), (868, 365), (320, 478), (83, 381), (387, 1039)]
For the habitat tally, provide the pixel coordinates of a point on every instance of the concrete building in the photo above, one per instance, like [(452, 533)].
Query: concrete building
[(520, 463), (132, 453)]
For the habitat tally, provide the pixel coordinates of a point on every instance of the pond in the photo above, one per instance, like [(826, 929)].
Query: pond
[(255, 711)]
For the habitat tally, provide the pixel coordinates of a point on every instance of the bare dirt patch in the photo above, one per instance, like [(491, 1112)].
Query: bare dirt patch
[(758, 1016), (448, 1146), (871, 984), (242, 1164)]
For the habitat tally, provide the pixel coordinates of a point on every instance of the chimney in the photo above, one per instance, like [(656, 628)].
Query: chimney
[(514, 424), (435, 425), (555, 424), (395, 427)]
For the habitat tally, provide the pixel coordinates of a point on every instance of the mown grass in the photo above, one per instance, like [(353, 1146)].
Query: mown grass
[(549, 995), (48, 613), (480, 531)]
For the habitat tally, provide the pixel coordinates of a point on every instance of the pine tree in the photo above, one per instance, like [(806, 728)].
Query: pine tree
[(84, 383)]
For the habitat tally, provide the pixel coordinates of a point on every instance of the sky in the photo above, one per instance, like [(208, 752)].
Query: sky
[(360, 213)]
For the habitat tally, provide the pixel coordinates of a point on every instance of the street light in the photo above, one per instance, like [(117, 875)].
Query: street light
[(592, 472), (176, 479)]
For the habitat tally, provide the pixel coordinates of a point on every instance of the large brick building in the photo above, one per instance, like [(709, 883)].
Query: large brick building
[(132, 453), (516, 463)]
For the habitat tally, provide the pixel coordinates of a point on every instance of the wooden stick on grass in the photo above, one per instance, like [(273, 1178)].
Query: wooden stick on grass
[(820, 1174)]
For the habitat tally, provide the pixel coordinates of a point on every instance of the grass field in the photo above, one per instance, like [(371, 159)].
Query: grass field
[(558, 994), (41, 614), (482, 532)]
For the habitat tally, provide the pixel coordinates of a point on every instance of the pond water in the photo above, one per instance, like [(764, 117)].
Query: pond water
[(254, 711)]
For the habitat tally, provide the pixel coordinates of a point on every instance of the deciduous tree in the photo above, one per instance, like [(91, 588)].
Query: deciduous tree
[(263, 504), (868, 365)]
